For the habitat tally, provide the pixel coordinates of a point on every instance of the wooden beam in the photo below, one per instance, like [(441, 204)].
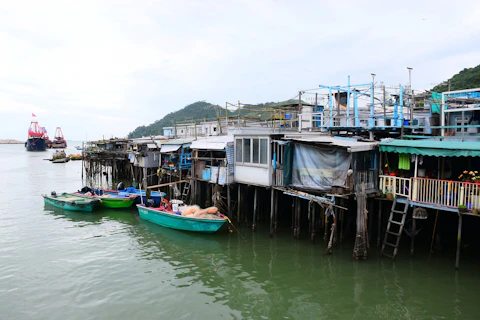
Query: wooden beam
[(166, 184)]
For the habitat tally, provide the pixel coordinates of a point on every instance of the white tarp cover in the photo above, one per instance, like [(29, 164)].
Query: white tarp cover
[(169, 148), (212, 143), (319, 169), (151, 145), (352, 145)]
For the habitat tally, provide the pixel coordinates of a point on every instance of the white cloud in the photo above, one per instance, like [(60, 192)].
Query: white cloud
[(105, 67)]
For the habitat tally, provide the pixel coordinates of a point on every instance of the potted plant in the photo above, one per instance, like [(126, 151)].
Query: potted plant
[(468, 176), (389, 195), (462, 208)]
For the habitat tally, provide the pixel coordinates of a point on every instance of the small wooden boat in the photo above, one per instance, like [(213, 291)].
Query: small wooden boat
[(68, 201), (177, 221), (75, 156), (61, 160), (113, 201)]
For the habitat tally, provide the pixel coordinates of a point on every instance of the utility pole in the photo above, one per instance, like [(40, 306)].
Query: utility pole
[(299, 107), (411, 92), (226, 117), (373, 91), (384, 106)]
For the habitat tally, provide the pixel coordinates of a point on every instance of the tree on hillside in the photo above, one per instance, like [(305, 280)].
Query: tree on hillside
[(468, 78)]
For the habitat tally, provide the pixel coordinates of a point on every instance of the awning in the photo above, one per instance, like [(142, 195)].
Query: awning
[(152, 146), (352, 145), (433, 147), (166, 148), (212, 143)]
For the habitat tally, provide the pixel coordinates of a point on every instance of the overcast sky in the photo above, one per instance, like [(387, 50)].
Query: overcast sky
[(102, 68)]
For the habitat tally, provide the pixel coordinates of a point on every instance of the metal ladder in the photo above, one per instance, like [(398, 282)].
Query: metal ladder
[(394, 230)]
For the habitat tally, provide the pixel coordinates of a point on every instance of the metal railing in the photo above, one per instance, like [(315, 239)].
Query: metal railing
[(433, 191)]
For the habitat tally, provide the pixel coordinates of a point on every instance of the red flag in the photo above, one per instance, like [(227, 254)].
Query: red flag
[(33, 114)]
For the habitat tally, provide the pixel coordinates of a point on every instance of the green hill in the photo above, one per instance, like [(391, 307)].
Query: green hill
[(194, 111), (468, 78), (202, 110)]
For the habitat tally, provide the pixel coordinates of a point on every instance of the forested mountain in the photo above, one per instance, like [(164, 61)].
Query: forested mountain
[(468, 78), (200, 111), (194, 111)]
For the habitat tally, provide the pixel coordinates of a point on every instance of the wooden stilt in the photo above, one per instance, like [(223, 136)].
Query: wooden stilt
[(276, 212), (254, 222), (379, 229), (272, 211), (294, 201), (459, 241), (239, 202), (342, 217), (228, 200), (414, 230), (314, 225), (325, 225)]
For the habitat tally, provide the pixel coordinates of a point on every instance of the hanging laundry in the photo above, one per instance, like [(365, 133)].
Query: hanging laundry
[(403, 161)]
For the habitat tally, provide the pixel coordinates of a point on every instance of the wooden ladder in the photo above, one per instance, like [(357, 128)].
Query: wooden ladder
[(186, 187), (394, 230)]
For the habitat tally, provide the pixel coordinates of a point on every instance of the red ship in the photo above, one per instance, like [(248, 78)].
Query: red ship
[(59, 141)]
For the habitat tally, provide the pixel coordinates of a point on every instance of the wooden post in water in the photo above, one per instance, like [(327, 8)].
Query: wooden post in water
[(314, 226), (228, 200), (276, 213), (459, 241), (360, 249), (297, 218), (414, 230), (325, 224), (254, 222), (239, 201), (272, 210)]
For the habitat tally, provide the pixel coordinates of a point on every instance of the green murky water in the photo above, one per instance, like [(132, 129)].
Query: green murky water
[(111, 265)]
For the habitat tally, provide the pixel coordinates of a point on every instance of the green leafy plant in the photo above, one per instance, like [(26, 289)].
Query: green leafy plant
[(462, 206)]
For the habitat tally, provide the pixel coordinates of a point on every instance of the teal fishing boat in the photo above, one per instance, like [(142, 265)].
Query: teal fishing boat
[(70, 202), (179, 222)]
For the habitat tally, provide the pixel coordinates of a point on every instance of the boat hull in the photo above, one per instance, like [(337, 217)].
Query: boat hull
[(36, 144), (179, 222), (117, 203), (61, 160), (86, 205)]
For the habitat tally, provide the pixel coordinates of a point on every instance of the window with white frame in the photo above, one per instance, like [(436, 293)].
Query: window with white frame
[(238, 150), (251, 150)]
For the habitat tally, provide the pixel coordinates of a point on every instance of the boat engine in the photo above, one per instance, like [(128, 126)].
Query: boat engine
[(121, 186), (150, 203), (53, 194)]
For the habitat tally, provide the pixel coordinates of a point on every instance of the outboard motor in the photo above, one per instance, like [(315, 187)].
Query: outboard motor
[(150, 203), (87, 189), (121, 186), (53, 194)]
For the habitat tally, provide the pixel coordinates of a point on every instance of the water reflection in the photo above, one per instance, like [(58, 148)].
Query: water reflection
[(98, 216)]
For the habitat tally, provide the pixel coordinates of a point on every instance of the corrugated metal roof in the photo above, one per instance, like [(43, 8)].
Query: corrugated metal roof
[(169, 148), (433, 147), (212, 143), (351, 144), (153, 145)]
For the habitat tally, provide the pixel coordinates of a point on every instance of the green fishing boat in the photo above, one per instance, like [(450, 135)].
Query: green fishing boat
[(116, 202), (70, 202), (112, 201)]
